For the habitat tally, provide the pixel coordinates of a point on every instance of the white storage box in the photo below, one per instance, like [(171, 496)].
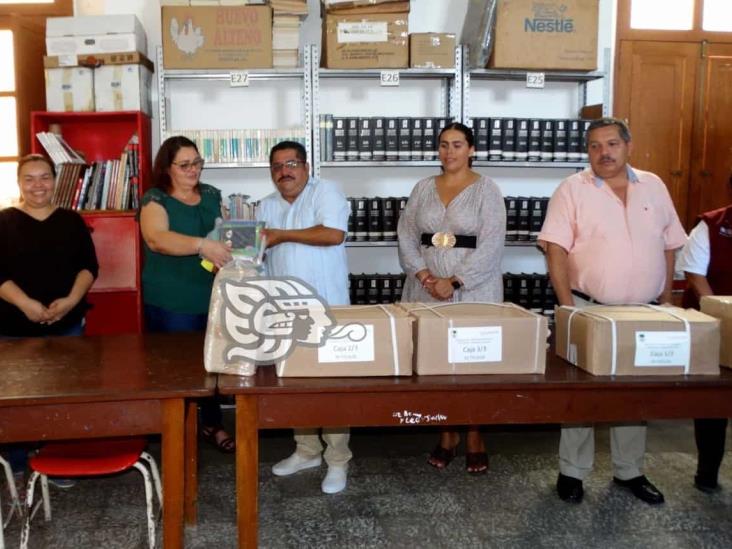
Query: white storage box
[(94, 34), (123, 88), (70, 89)]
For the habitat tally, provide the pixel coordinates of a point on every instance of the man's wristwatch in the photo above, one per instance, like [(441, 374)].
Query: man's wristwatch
[(456, 285)]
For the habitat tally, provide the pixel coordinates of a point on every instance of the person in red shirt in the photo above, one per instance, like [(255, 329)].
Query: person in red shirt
[(707, 262)]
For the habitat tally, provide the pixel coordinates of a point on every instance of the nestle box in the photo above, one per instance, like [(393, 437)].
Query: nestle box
[(550, 34), (378, 342), (720, 307), (70, 89), (94, 34), (223, 37), (368, 41), (477, 338), (638, 340), (432, 50)]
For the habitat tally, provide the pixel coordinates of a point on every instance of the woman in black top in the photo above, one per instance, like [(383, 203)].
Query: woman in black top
[(47, 259)]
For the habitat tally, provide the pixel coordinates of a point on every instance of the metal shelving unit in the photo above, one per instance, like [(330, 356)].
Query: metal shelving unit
[(450, 102), (301, 74)]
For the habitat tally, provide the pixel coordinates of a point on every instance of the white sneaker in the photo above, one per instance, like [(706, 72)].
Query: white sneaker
[(335, 479), (295, 463)]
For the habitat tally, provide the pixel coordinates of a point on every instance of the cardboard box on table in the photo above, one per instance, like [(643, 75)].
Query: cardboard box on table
[(477, 338), (638, 340), (366, 41), (217, 37), (384, 350), (88, 34), (720, 307), (549, 35), (433, 50)]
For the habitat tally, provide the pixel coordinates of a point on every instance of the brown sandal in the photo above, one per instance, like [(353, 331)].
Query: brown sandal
[(476, 463), (225, 445), (441, 457)]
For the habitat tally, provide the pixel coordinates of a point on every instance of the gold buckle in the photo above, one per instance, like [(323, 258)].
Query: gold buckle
[(443, 240)]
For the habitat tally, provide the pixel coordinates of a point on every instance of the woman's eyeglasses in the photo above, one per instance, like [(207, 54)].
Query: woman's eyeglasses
[(185, 166)]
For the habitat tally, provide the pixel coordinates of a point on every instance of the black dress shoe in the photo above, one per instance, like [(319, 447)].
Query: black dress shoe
[(705, 485), (570, 489), (642, 488)]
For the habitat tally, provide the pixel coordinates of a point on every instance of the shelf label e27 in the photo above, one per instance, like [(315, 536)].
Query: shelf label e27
[(389, 78), (239, 79)]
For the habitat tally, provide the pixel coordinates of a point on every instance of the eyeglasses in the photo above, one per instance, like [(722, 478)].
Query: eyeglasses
[(289, 164), (185, 166)]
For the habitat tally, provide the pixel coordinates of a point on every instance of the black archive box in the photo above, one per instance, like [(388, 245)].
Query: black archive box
[(417, 136), (379, 139), (495, 143), (405, 138), (365, 139), (375, 220), (392, 139), (390, 216), (339, 139), (352, 139)]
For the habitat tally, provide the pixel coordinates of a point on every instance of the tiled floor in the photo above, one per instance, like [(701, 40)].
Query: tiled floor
[(395, 500)]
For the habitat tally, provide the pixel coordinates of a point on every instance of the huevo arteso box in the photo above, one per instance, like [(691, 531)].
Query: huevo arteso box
[(720, 306), (532, 34), (217, 37)]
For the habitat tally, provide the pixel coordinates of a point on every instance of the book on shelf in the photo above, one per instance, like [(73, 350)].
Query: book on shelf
[(101, 185)]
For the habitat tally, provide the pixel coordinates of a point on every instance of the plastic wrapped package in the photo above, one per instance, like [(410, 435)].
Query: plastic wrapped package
[(217, 348), (479, 31)]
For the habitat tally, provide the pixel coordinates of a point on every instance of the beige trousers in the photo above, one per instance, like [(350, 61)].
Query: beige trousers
[(336, 453), (577, 445)]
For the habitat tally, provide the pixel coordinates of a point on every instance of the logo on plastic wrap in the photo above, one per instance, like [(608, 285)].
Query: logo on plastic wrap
[(266, 318), (549, 17)]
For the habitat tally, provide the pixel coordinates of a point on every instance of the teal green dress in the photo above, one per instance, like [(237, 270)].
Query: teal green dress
[(179, 283)]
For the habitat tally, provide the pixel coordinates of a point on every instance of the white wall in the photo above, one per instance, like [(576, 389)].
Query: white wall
[(231, 108)]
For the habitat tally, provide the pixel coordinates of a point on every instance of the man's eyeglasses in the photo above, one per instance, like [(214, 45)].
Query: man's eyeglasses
[(289, 164), (185, 166)]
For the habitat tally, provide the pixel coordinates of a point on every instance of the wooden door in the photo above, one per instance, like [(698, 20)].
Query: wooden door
[(656, 94), (712, 146)]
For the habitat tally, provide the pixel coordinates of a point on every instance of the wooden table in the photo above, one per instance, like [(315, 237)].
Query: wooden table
[(564, 394), (89, 387)]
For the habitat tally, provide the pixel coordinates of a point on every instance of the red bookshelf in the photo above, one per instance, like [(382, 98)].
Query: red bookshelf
[(116, 296)]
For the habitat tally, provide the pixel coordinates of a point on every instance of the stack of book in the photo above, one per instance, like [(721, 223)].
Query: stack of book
[(240, 207), (531, 291), (238, 146), (374, 219), (286, 19), (103, 185), (530, 140), (524, 217), (372, 289), (378, 139)]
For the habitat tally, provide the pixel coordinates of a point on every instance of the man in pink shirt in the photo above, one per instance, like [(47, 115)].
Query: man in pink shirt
[(610, 235)]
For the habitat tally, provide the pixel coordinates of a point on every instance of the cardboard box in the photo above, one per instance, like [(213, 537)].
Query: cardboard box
[(432, 50), (385, 350), (351, 8), (638, 340), (224, 37), (550, 34), (70, 89), (337, 5), (477, 338), (121, 81), (720, 307), (94, 34), (377, 41)]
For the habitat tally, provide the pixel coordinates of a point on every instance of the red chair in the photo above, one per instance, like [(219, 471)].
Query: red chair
[(89, 458)]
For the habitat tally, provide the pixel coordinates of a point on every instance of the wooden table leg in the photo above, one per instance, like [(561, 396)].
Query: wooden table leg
[(173, 477), (247, 470), (191, 463)]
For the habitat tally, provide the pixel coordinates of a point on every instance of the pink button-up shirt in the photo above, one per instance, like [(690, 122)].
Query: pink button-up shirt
[(616, 252)]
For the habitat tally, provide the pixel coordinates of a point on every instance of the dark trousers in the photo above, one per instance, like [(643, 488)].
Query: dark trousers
[(709, 435), (162, 320)]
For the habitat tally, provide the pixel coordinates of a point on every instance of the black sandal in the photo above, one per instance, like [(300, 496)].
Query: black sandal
[(441, 457), (225, 445), (476, 463)]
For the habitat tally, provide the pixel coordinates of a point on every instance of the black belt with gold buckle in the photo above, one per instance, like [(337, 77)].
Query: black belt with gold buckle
[(448, 240)]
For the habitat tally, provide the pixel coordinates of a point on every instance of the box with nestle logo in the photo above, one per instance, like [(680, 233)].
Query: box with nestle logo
[(559, 35)]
